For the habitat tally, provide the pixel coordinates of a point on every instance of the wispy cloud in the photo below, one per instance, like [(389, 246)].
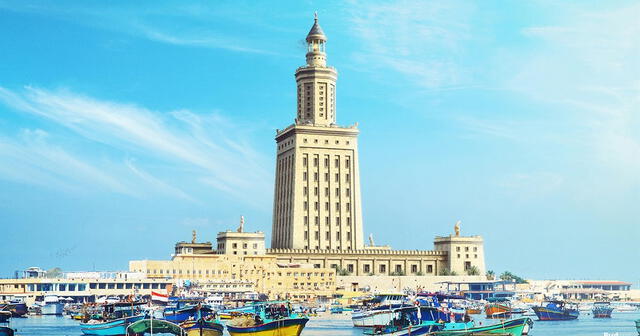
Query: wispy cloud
[(420, 40), (183, 25), (219, 156)]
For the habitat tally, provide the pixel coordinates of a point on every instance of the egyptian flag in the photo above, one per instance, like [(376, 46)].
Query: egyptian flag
[(159, 298)]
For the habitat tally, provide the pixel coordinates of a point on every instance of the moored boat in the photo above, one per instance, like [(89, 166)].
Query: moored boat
[(52, 305), (557, 311), (498, 308), (377, 311), (202, 327), (5, 315), (405, 321), (282, 327), (6, 331), (513, 327), (638, 326), (17, 308), (602, 310), (154, 326), (115, 327)]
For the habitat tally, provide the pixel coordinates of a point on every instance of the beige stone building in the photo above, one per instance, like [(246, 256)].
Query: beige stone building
[(241, 243), (317, 186), (317, 213)]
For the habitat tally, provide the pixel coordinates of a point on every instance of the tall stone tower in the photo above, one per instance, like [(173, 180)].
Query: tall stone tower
[(317, 188)]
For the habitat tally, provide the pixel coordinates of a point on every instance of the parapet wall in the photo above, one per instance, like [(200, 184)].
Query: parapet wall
[(358, 252)]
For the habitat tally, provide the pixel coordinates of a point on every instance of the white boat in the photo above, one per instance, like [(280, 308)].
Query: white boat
[(624, 308), (52, 305), (378, 311)]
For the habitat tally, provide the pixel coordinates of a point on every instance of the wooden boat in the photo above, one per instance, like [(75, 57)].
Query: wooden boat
[(5, 315), (202, 327), (557, 311), (154, 326), (512, 327), (473, 311), (283, 327), (404, 322), (110, 328), (6, 331), (602, 310), (498, 308), (378, 310), (16, 307)]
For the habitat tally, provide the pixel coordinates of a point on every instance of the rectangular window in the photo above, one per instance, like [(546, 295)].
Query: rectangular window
[(317, 235), (315, 191), (255, 246), (315, 161), (304, 191), (348, 178), (346, 161), (315, 206), (367, 268), (326, 162), (326, 206), (326, 192), (350, 268), (337, 235), (326, 220), (348, 235), (315, 177), (383, 269), (429, 268), (337, 177), (348, 220), (326, 234), (305, 205), (414, 269), (326, 176), (348, 207), (337, 191), (317, 220), (337, 163), (306, 235), (304, 161), (304, 176), (337, 220), (306, 221), (398, 268)]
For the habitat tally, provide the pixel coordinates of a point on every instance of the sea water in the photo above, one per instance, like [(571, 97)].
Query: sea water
[(621, 324)]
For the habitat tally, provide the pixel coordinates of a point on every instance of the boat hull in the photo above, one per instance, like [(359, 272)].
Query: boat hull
[(513, 327), (547, 314), (52, 309), (112, 328), (286, 327), (602, 312), (638, 326), (203, 328), (16, 309), (366, 319), (6, 331), (494, 310), (4, 316)]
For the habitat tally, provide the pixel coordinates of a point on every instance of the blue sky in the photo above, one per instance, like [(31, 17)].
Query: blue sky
[(125, 125)]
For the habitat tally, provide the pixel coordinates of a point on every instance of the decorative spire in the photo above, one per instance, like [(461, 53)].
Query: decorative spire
[(241, 227), (316, 32)]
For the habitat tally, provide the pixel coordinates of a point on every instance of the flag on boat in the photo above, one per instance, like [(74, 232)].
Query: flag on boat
[(158, 297)]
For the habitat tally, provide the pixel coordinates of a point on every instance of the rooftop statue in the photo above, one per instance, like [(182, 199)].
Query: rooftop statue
[(371, 243), (193, 237), (457, 228), (241, 227)]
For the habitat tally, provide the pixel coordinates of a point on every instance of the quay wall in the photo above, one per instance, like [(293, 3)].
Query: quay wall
[(382, 283)]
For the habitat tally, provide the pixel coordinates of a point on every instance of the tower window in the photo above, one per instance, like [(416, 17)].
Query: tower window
[(304, 160)]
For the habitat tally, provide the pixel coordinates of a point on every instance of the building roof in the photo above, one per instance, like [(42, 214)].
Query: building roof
[(316, 32), (604, 283)]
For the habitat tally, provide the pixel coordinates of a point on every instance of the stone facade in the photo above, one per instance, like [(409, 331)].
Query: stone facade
[(317, 186)]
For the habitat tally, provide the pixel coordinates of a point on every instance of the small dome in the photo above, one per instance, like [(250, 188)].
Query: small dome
[(316, 32)]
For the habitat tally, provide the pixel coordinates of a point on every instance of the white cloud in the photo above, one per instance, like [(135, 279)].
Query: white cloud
[(420, 40), (207, 146)]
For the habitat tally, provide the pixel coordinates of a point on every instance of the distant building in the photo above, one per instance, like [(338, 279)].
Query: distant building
[(240, 242), (481, 289)]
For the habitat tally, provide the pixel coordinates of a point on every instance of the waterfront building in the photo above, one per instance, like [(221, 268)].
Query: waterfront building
[(298, 281), (317, 185), (81, 286), (317, 212), (241, 242)]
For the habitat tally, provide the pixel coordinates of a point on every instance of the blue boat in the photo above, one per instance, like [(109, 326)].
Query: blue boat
[(6, 331), (602, 310), (178, 315), (557, 311), (117, 327)]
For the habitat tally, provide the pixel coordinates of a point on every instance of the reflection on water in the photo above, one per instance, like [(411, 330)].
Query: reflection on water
[(329, 325)]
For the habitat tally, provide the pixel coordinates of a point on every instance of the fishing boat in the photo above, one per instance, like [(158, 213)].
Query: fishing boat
[(6, 331), (18, 308), (602, 310), (179, 313), (154, 326), (202, 327), (378, 311), (272, 318), (405, 321), (498, 308), (556, 311), (283, 327), (512, 327), (52, 305), (114, 319), (5, 315)]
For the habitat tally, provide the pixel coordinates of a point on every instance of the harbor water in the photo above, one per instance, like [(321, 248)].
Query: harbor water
[(621, 324)]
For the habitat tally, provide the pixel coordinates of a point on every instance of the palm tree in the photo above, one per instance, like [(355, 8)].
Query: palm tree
[(473, 270), (506, 275), (491, 275)]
